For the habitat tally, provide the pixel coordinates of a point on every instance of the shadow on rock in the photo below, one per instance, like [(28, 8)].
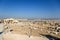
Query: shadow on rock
[(50, 37)]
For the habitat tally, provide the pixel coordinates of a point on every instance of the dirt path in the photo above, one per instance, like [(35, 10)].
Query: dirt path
[(10, 36)]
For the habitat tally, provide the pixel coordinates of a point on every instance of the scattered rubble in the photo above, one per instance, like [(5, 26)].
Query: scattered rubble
[(31, 27)]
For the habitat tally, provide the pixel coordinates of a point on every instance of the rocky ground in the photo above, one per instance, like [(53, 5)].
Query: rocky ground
[(32, 30), (11, 36)]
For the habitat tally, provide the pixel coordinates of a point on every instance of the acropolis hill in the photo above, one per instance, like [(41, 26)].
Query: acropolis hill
[(30, 28)]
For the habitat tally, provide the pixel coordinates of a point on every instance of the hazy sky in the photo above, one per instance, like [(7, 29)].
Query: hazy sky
[(30, 8)]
